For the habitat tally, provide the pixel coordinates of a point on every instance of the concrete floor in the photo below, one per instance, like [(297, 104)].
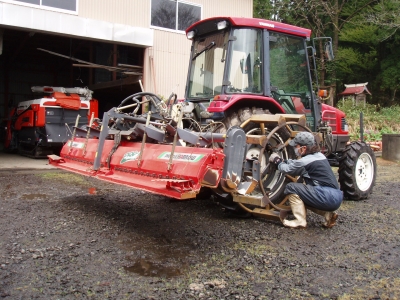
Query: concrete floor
[(15, 161)]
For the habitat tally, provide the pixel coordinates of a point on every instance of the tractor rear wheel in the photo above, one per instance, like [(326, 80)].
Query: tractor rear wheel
[(357, 171)]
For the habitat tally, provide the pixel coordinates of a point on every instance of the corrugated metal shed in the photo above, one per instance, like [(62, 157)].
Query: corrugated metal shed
[(127, 12)]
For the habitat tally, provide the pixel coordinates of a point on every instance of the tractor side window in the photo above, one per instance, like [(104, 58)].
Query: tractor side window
[(245, 73), (289, 76)]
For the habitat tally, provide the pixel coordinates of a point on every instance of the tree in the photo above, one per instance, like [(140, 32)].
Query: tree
[(373, 37), (386, 17), (324, 18)]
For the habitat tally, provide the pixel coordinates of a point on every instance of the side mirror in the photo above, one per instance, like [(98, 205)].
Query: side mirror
[(243, 66), (329, 50), (306, 100)]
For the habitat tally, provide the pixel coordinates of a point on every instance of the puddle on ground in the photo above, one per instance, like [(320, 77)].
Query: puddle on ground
[(148, 268), (33, 196), (158, 257)]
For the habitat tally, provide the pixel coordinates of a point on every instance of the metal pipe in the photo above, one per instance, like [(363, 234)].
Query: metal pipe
[(74, 133), (127, 106), (88, 133), (102, 138), (215, 137), (361, 127), (174, 142), (144, 140)]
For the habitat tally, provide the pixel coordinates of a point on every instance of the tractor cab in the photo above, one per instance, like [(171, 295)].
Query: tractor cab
[(237, 62)]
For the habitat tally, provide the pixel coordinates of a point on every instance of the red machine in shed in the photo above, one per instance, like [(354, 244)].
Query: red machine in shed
[(40, 127)]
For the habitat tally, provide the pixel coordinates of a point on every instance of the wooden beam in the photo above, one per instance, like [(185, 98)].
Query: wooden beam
[(130, 66), (97, 67), (110, 68), (109, 84), (92, 66), (133, 73)]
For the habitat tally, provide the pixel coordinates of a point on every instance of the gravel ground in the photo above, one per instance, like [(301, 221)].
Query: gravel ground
[(65, 236)]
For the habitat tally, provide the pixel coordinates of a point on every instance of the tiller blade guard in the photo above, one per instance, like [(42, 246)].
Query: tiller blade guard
[(166, 169)]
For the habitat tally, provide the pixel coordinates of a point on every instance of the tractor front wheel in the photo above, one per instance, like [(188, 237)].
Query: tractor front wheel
[(357, 171)]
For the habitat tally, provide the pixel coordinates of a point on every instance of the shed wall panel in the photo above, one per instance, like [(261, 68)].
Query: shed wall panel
[(171, 51), (127, 12), (170, 56)]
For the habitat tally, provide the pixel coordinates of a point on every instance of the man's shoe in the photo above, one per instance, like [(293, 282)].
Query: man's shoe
[(332, 220)]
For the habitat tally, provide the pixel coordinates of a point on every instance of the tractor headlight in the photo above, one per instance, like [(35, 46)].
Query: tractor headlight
[(222, 25), (190, 35)]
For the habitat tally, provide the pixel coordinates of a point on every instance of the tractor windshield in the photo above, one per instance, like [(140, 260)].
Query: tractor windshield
[(207, 66)]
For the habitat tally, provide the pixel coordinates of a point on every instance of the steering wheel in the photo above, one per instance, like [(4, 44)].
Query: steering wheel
[(154, 99)]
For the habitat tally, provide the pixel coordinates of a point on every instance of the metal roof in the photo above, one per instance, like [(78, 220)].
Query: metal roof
[(355, 89)]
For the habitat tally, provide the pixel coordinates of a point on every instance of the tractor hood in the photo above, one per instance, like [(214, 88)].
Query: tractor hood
[(326, 107), (335, 118)]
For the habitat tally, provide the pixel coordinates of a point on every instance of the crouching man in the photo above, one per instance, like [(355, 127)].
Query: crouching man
[(320, 191)]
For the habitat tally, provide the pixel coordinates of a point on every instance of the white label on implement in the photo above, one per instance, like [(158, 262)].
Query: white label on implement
[(129, 156), (76, 145), (267, 24), (181, 156)]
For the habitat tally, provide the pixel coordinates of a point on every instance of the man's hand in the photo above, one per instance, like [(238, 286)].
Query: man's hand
[(275, 159)]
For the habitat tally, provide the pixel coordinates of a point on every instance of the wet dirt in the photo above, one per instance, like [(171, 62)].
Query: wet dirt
[(65, 236)]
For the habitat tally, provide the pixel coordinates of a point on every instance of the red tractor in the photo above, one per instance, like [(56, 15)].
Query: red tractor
[(249, 91), (240, 67), (39, 127)]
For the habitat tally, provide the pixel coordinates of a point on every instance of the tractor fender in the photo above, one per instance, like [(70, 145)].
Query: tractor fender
[(222, 103)]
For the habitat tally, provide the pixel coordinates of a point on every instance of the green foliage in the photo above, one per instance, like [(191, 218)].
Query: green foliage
[(280, 10), (366, 35), (366, 40), (348, 64), (389, 75), (377, 120), (262, 9), (391, 72), (369, 48)]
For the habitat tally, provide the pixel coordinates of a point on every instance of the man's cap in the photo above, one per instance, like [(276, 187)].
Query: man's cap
[(303, 139)]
